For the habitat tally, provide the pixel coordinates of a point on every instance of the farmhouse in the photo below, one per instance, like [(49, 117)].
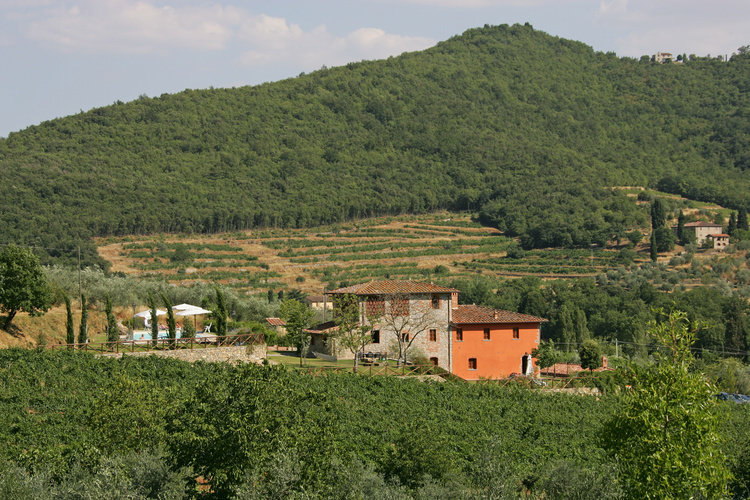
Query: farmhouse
[(469, 341), (721, 240), (702, 230)]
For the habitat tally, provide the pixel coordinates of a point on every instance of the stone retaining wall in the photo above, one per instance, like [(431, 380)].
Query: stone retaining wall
[(232, 354)]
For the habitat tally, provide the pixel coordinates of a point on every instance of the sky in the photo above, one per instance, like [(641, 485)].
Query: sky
[(59, 57)]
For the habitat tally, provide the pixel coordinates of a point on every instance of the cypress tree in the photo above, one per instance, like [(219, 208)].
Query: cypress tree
[(171, 324), (220, 313), (271, 295), (681, 228), (654, 254), (732, 226), (154, 321), (658, 214), (742, 219), (112, 333), (83, 329), (70, 336)]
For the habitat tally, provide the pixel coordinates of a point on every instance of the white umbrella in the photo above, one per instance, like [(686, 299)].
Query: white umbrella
[(193, 311), (183, 307), (147, 313)]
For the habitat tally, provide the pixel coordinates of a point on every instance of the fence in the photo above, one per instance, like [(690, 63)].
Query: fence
[(144, 345)]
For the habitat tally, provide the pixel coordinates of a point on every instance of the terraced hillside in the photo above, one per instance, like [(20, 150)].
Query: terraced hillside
[(434, 246)]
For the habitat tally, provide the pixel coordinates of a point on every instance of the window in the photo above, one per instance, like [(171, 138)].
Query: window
[(434, 361), (516, 333), (436, 301), (486, 334), (400, 306), (375, 307), (472, 363), (433, 335), (404, 337), (375, 336), (459, 334)]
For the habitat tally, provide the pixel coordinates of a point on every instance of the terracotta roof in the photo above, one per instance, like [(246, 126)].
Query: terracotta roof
[(314, 298), (275, 321), (478, 314), (701, 223), (387, 287), (326, 327), (719, 235)]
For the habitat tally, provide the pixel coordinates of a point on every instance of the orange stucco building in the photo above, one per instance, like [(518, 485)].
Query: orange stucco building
[(490, 343)]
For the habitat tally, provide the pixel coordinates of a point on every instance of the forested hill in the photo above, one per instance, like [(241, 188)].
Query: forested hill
[(529, 129)]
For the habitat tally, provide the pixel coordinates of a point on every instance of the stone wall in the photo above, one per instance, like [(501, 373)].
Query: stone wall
[(232, 354)]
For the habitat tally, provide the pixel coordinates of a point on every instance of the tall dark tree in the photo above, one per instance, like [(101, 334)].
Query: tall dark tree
[(681, 228), (151, 301), (113, 334), (735, 330), (171, 323), (70, 336), (654, 254), (658, 214), (732, 226), (220, 313), (742, 219), (83, 328)]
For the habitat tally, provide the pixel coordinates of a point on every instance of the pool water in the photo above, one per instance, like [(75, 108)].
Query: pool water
[(163, 334)]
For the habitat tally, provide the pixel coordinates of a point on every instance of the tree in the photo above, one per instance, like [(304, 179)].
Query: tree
[(590, 353), (83, 328), (154, 319), (113, 334), (681, 228), (665, 239), (297, 317), (732, 226), (220, 313), (665, 436), (658, 214), (653, 253), (70, 336), (23, 285), (171, 324), (352, 333), (547, 354), (742, 219), (406, 319)]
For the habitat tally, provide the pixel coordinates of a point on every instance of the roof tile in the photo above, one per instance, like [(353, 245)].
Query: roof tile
[(387, 287), (477, 314)]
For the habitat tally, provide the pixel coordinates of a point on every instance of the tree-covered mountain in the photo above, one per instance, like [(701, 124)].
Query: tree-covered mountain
[(528, 129)]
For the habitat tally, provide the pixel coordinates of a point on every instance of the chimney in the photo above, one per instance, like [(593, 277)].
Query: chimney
[(494, 314)]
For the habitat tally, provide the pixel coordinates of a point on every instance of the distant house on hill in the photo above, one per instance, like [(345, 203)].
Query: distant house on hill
[(469, 341), (663, 57), (702, 230)]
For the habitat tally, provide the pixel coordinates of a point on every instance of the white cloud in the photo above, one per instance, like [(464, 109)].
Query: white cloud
[(141, 26), (273, 40), (678, 26), (128, 26)]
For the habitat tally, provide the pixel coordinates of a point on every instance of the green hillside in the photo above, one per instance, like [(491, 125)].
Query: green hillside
[(527, 129)]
